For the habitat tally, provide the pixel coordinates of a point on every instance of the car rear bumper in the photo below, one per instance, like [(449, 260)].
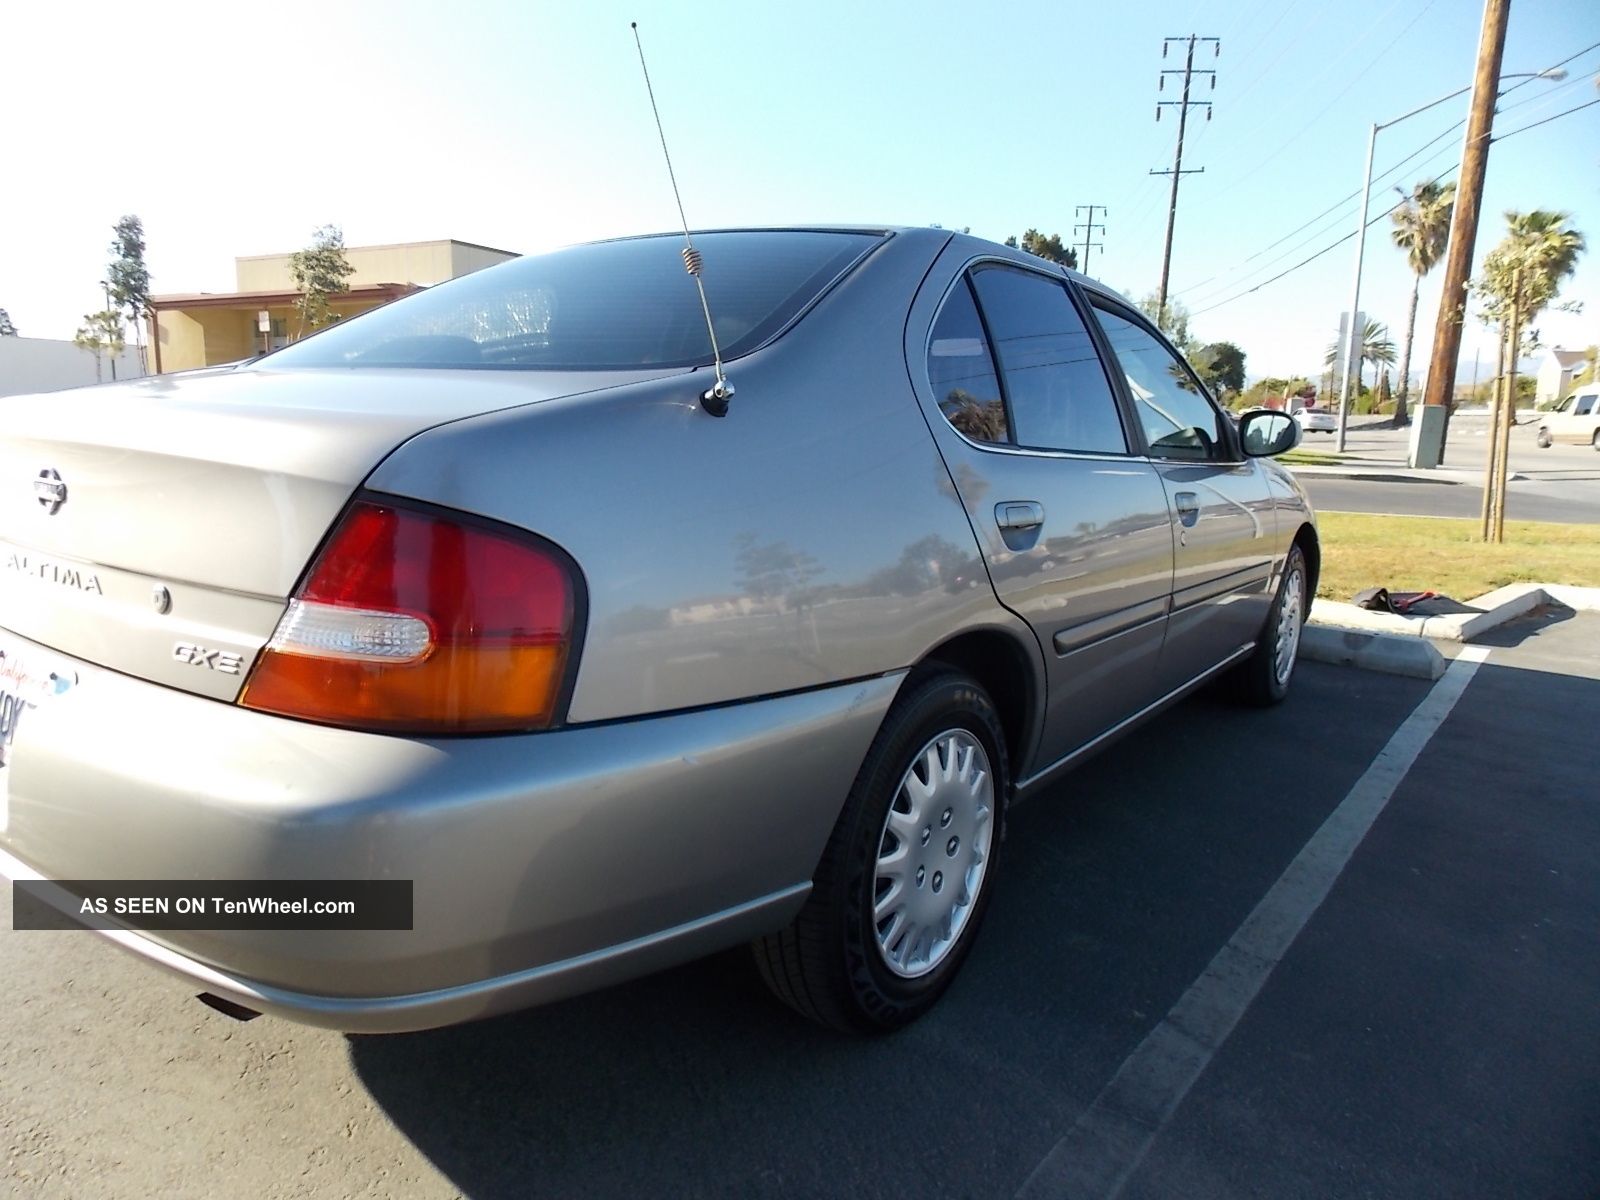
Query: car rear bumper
[(542, 865)]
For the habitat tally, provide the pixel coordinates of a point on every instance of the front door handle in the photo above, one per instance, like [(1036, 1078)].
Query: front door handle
[(1188, 506), (1019, 514)]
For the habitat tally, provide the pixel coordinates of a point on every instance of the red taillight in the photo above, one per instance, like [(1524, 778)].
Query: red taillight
[(411, 621)]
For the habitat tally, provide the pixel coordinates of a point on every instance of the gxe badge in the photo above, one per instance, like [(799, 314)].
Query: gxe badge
[(51, 491)]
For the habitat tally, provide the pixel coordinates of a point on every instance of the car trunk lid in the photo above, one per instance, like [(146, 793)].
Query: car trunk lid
[(158, 527)]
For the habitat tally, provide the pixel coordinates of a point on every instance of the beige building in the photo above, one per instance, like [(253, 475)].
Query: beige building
[(204, 329)]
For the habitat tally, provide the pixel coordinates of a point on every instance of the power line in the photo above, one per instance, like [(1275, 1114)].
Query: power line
[(1544, 96), (1339, 207), (1313, 258), (1535, 124), (1339, 242), (1551, 67), (1240, 180), (1437, 178)]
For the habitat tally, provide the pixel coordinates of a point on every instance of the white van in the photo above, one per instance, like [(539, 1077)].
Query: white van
[(1576, 421)]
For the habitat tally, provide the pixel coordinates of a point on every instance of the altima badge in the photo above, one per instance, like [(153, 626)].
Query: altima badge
[(51, 491)]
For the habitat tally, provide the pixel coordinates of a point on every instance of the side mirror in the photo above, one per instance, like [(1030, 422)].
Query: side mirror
[(1268, 433)]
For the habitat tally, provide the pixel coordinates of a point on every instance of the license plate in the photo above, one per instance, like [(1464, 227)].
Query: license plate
[(27, 680)]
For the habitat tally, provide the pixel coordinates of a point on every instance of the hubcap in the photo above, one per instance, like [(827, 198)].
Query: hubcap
[(932, 853), (1289, 626)]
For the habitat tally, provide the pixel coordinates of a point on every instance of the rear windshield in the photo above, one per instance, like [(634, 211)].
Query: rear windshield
[(608, 305)]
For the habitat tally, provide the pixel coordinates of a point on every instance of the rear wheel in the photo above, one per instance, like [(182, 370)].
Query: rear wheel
[(908, 870), (1263, 678), (1595, 441), (1542, 438)]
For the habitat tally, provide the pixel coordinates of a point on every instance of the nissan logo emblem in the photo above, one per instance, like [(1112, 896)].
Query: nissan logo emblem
[(51, 491)]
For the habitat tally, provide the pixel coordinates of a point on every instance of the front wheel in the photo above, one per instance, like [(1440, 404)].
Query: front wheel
[(1263, 678), (908, 870), (1542, 439)]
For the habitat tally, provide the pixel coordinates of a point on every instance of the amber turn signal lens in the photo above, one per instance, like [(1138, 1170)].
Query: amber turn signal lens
[(414, 622)]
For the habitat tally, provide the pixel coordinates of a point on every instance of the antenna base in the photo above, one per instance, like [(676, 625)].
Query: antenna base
[(715, 399)]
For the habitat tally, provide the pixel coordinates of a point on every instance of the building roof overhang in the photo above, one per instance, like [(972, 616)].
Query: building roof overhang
[(255, 300)]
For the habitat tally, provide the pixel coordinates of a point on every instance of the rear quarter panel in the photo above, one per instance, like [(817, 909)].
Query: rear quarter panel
[(810, 536)]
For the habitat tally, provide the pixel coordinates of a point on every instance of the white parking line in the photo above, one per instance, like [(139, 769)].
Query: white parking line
[(1099, 1154)]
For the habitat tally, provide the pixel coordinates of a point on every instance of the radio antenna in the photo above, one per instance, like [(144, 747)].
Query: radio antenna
[(716, 399)]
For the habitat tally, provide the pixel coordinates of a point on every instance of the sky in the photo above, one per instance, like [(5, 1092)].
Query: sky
[(524, 124)]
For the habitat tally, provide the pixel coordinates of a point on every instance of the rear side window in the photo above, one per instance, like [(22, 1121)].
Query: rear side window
[(1055, 385), (962, 370), (605, 306)]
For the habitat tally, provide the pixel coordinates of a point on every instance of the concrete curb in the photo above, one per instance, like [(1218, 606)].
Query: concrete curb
[(1381, 473), (1492, 610), (1414, 657)]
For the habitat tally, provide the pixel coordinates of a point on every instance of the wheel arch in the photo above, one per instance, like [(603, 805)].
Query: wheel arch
[(1310, 546), (1008, 670)]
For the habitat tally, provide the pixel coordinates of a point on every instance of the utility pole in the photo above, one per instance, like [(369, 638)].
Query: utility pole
[(1088, 228), (1469, 200), (1177, 172)]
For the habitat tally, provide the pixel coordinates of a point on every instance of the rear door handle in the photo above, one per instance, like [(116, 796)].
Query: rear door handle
[(1019, 514), (1188, 506)]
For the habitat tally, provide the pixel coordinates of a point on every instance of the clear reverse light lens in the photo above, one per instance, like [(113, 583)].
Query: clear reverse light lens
[(327, 631)]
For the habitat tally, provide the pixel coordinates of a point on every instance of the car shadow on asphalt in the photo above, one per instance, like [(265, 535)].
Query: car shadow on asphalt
[(694, 1081)]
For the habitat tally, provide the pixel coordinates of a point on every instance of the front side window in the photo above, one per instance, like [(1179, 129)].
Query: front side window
[(1178, 420), (604, 306), (1056, 387), (1585, 405)]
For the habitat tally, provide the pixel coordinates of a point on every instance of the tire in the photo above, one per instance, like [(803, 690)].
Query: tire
[(1542, 439), (1263, 678), (1595, 441), (836, 964)]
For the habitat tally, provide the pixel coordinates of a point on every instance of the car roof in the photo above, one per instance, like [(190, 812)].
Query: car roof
[(929, 233), (979, 245)]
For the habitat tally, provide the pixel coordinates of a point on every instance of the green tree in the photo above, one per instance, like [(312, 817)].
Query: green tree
[(320, 272), (7, 329), (1174, 322), (1541, 248), (1523, 275), (1276, 389), (1376, 348), (127, 277), (1034, 242), (1583, 375), (1221, 366), (101, 334), (1422, 231)]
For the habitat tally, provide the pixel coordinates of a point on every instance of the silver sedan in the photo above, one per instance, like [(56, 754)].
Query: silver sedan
[(621, 646)]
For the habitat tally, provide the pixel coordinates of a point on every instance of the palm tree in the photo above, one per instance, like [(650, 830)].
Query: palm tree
[(1375, 348), (1524, 272), (1521, 276), (1546, 249), (1422, 230)]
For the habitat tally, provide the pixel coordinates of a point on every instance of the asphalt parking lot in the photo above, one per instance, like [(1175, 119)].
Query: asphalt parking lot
[(1430, 1030)]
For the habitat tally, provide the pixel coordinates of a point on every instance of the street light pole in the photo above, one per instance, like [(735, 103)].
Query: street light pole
[(1353, 349)]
